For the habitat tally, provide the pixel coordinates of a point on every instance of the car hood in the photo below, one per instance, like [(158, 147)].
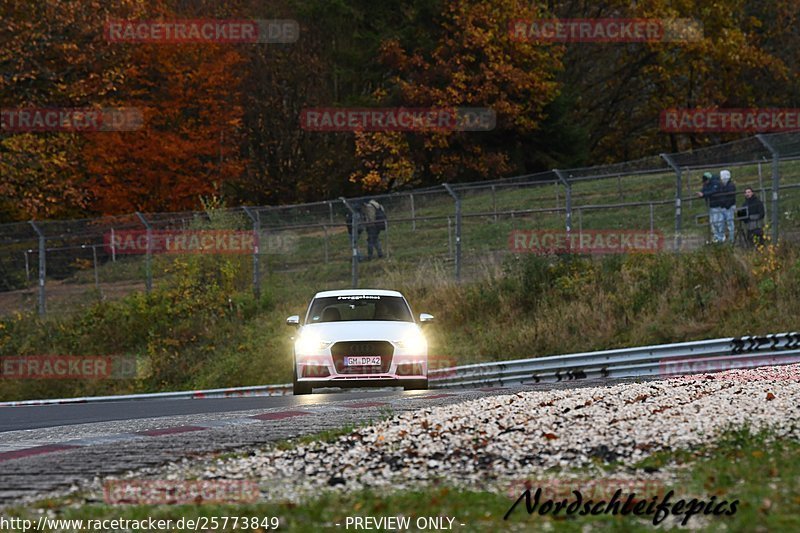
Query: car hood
[(362, 330)]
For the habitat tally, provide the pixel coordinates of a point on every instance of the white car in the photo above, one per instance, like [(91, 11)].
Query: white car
[(359, 338)]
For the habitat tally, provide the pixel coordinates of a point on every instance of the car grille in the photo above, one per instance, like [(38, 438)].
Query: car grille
[(383, 349)]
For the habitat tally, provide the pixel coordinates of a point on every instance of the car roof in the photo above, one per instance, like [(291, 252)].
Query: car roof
[(358, 292)]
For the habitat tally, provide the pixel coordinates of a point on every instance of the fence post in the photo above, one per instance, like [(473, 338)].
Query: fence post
[(353, 240), (678, 189), (763, 193), (568, 192), (94, 264), (42, 269), (775, 183), (652, 221), (330, 211), (494, 203), (413, 213), (458, 228), (27, 266), (113, 247), (255, 218), (449, 238), (148, 265), (325, 229), (558, 200)]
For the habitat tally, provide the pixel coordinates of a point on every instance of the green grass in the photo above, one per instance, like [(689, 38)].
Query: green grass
[(759, 470)]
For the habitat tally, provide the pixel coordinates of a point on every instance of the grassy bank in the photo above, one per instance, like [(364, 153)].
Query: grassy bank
[(199, 328)]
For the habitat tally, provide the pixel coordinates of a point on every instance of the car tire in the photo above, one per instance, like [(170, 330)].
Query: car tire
[(299, 389), (417, 384)]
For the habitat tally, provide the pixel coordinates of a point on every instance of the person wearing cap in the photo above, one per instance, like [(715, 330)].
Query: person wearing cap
[(727, 201), (710, 193)]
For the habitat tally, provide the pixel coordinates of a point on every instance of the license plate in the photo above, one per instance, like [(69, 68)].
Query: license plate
[(371, 360)]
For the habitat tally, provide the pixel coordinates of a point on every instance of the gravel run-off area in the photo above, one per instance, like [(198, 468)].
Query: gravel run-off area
[(494, 442)]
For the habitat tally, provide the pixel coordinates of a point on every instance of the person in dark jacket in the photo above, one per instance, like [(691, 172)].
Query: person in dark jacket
[(727, 201), (710, 193), (375, 221), (754, 222)]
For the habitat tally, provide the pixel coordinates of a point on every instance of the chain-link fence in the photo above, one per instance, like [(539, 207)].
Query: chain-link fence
[(54, 266)]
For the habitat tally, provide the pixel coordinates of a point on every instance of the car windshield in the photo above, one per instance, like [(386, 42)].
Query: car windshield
[(358, 307)]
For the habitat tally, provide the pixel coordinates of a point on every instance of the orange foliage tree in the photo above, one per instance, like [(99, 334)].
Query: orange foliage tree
[(188, 145)]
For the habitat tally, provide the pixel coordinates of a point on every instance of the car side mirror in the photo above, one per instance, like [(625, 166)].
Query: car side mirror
[(293, 320), (425, 318)]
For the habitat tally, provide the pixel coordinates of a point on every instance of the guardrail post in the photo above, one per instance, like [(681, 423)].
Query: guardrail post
[(568, 192), (678, 188), (42, 269), (148, 265), (458, 228), (255, 218), (775, 183), (353, 240)]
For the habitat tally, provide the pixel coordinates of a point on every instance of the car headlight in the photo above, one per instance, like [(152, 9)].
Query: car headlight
[(310, 343), (414, 343)]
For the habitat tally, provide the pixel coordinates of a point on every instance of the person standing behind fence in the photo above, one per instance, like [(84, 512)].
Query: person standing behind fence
[(710, 193), (375, 222), (727, 201), (755, 217)]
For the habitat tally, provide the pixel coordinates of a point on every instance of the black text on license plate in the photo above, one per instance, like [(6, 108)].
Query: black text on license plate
[(366, 360)]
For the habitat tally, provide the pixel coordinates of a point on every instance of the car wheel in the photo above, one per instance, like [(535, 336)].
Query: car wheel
[(299, 389), (417, 384)]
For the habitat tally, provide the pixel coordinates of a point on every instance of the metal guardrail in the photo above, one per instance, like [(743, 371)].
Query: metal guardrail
[(664, 360)]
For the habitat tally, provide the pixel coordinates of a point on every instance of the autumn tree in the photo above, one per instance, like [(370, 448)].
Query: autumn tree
[(620, 89), (189, 144), (473, 61), (52, 55)]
